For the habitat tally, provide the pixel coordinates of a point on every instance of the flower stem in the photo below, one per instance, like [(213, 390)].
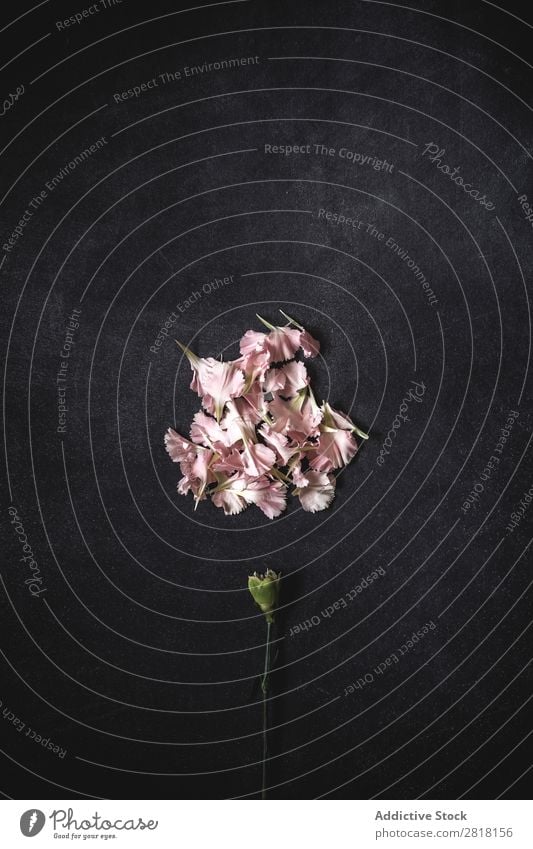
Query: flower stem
[(279, 475), (191, 356), (265, 322), (292, 321), (264, 688)]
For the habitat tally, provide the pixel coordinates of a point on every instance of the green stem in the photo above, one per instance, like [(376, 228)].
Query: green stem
[(292, 321), (265, 322), (264, 688), (280, 475)]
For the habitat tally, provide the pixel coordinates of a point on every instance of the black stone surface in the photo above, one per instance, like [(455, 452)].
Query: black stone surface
[(140, 654)]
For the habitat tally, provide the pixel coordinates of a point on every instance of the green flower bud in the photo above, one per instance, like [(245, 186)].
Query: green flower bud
[(265, 591)]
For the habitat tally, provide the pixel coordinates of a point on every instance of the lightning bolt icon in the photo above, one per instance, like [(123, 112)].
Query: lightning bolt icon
[(33, 820)]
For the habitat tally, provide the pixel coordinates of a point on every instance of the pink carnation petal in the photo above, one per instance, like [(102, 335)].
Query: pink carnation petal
[(197, 472), (279, 442), (299, 479), (335, 419), (230, 501), (177, 446), (334, 450), (269, 496), (216, 382), (252, 405), (237, 426), (201, 467), (255, 366), (332, 418), (252, 343), (309, 346), (296, 377), (184, 485), (205, 430), (230, 462), (299, 418), (258, 459), (282, 343), (275, 380), (319, 492)]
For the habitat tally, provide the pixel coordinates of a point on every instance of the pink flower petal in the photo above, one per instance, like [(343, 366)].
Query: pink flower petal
[(279, 442), (275, 379), (231, 462), (319, 492), (239, 421), (296, 377), (299, 418), (201, 467), (184, 485), (205, 430), (255, 366), (258, 459), (177, 446), (333, 450), (299, 479), (252, 343), (230, 501), (236, 493), (197, 472), (282, 343), (252, 405), (309, 346), (335, 419), (216, 382), (269, 496)]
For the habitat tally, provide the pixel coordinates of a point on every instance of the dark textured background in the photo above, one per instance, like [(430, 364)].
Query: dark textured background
[(141, 659)]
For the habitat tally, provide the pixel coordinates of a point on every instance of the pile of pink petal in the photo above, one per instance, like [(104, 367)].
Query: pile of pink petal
[(260, 430)]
